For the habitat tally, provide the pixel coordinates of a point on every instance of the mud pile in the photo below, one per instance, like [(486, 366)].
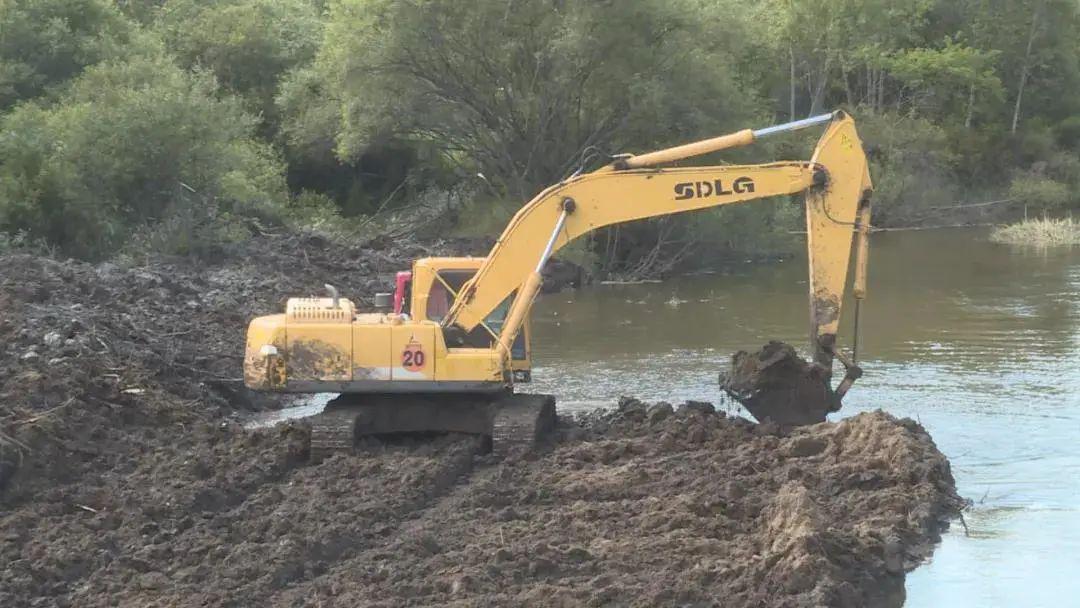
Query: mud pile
[(126, 480), (93, 356), (645, 505)]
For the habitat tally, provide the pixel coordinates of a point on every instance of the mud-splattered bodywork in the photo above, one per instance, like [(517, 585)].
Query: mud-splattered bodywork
[(320, 345)]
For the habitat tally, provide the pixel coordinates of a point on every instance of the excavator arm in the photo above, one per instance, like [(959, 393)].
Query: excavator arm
[(835, 180)]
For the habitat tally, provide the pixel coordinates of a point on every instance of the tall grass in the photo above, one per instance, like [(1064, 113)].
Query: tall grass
[(1042, 232)]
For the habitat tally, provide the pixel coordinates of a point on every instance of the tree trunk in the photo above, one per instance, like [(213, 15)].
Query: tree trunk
[(1024, 68), (869, 84), (791, 56), (847, 85), (970, 106), (881, 89), (817, 90)]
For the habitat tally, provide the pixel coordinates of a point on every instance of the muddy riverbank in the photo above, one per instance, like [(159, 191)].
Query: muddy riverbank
[(126, 479)]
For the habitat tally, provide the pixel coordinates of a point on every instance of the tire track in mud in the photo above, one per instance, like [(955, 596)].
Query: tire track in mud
[(419, 532), (348, 504), (111, 534), (226, 520)]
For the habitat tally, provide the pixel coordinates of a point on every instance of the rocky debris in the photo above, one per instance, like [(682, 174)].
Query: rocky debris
[(776, 384)]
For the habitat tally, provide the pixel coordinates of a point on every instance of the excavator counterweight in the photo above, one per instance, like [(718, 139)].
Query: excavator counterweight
[(449, 355)]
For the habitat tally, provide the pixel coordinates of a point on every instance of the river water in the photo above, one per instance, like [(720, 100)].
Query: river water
[(980, 342)]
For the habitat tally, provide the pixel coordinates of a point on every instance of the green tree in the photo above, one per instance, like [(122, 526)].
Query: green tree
[(247, 44), (834, 51), (944, 83), (1037, 53), (46, 42), (521, 91), (118, 148)]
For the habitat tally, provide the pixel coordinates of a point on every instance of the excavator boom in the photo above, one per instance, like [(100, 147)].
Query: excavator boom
[(836, 182)]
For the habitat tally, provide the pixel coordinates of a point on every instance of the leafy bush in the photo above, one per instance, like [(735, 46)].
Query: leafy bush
[(911, 164), (46, 42), (1040, 192), (1068, 132), (116, 149), (190, 227), (247, 44)]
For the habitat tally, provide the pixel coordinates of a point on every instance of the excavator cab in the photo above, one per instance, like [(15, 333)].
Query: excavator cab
[(427, 292)]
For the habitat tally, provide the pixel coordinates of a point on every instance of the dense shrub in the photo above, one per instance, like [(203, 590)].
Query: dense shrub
[(118, 148), (247, 44), (1040, 193), (46, 42), (912, 166)]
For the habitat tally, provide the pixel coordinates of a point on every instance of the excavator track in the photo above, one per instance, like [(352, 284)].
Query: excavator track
[(512, 422), (332, 431), (521, 421)]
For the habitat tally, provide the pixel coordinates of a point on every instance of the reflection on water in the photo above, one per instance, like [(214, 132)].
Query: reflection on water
[(977, 341)]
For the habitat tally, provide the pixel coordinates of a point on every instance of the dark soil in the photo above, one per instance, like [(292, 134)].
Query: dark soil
[(775, 383), (126, 479), (94, 357)]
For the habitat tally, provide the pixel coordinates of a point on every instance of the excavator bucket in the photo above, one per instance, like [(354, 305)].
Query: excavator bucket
[(776, 384)]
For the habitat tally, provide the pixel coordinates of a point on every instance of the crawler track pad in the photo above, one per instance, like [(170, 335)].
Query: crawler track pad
[(521, 421), (510, 421)]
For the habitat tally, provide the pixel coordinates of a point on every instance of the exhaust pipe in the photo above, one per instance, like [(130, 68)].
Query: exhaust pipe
[(333, 293)]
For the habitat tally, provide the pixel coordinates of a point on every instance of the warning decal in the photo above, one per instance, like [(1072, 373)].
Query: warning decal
[(413, 357)]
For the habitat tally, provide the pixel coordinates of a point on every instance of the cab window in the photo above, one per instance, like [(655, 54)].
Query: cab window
[(439, 297)]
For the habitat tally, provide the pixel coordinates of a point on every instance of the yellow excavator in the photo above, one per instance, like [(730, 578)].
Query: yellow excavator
[(446, 350)]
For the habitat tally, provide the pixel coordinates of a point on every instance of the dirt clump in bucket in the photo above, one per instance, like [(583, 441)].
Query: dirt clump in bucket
[(776, 384)]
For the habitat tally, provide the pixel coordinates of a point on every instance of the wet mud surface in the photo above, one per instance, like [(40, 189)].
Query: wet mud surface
[(125, 478)]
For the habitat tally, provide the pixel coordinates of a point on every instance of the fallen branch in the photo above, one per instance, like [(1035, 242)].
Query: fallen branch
[(6, 439), (47, 412)]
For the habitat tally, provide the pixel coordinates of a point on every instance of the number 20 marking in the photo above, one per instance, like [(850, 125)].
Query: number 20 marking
[(412, 360)]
